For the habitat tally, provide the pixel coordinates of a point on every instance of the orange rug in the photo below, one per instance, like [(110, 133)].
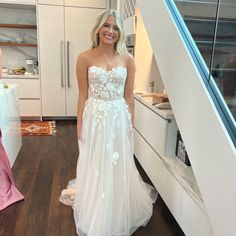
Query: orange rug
[(36, 128)]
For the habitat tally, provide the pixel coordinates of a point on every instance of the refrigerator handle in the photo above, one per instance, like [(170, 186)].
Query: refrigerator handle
[(68, 62), (62, 64)]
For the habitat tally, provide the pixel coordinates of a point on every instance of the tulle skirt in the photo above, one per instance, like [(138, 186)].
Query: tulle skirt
[(108, 196)]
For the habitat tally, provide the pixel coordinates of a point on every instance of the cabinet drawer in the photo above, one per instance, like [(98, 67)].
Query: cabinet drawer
[(87, 3), (191, 218), (148, 159), (151, 126), (30, 108), (28, 88)]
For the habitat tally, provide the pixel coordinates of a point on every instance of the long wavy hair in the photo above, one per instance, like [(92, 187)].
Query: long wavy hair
[(120, 44)]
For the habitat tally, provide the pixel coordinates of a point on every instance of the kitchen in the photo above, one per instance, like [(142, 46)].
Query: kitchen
[(40, 43)]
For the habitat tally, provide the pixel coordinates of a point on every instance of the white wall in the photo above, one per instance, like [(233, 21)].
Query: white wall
[(146, 67), (113, 4), (210, 149)]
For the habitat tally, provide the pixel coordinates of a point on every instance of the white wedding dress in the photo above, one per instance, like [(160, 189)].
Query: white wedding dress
[(108, 196)]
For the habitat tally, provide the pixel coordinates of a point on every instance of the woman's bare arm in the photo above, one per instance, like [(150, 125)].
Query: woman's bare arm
[(129, 85), (81, 72)]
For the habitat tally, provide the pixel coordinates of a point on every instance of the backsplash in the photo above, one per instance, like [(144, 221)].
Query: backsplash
[(15, 56)]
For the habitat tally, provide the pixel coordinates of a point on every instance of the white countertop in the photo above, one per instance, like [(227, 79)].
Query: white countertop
[(7, 76), (166, 114)]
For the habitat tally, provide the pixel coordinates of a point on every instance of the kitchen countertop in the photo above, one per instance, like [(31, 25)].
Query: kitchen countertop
[(165, 113), (7, 76)]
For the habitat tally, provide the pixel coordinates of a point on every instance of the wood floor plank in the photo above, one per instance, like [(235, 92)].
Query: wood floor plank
[(43, 168)]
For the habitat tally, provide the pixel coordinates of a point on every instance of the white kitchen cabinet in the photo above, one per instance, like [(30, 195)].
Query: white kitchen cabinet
[(27, 2), (29, 94), (64, 32), (161, 134), (154, 144), (77, 39), (51, 61), (76, 3), (28, 87), (51, 2), (21, 20), (30, 108), (87, 3)]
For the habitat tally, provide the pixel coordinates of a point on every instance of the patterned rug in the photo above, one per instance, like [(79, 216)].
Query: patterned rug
[(34, 128)]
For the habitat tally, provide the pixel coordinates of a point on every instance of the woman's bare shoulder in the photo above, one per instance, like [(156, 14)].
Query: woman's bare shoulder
[(85, 58), (129, 60), (85, 55)]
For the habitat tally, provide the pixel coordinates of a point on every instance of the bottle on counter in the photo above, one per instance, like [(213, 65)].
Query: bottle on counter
[(151, 87)]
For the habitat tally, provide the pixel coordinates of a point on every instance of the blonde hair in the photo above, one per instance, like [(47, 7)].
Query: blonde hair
[(120, 44)]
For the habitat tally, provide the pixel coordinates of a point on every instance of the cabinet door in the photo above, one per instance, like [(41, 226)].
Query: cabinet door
[(151, 126), (51, 2), (28, 2), (51, 39), (28, 88), (78, 25), (87, 3), (30, 108)]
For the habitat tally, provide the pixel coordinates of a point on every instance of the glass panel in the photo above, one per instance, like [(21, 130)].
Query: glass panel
[(212, 25), (224, 60), (199, 17)]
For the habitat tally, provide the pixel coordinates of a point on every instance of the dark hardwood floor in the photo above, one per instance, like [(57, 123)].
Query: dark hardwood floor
[(42, 170)]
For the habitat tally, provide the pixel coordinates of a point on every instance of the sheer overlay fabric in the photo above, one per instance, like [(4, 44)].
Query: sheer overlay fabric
[(108, 196)]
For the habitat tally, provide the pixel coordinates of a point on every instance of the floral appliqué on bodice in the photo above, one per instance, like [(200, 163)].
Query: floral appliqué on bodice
[(106, 84), (106, 96)]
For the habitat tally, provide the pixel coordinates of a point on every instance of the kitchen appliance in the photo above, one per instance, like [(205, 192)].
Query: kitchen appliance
[(29, 66)]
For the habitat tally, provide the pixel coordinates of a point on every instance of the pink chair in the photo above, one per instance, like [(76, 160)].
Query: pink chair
[(8, 191)]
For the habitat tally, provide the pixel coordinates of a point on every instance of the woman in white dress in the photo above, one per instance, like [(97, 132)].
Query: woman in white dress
[(108, 195)]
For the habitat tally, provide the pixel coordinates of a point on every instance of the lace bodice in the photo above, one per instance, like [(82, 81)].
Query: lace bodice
[(106, 84)]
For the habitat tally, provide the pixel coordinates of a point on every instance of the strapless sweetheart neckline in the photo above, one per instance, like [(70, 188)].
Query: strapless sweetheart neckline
[(105, 69)]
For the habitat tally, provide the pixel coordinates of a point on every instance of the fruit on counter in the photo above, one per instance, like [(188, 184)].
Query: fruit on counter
[(20, 70), (17, 71)]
